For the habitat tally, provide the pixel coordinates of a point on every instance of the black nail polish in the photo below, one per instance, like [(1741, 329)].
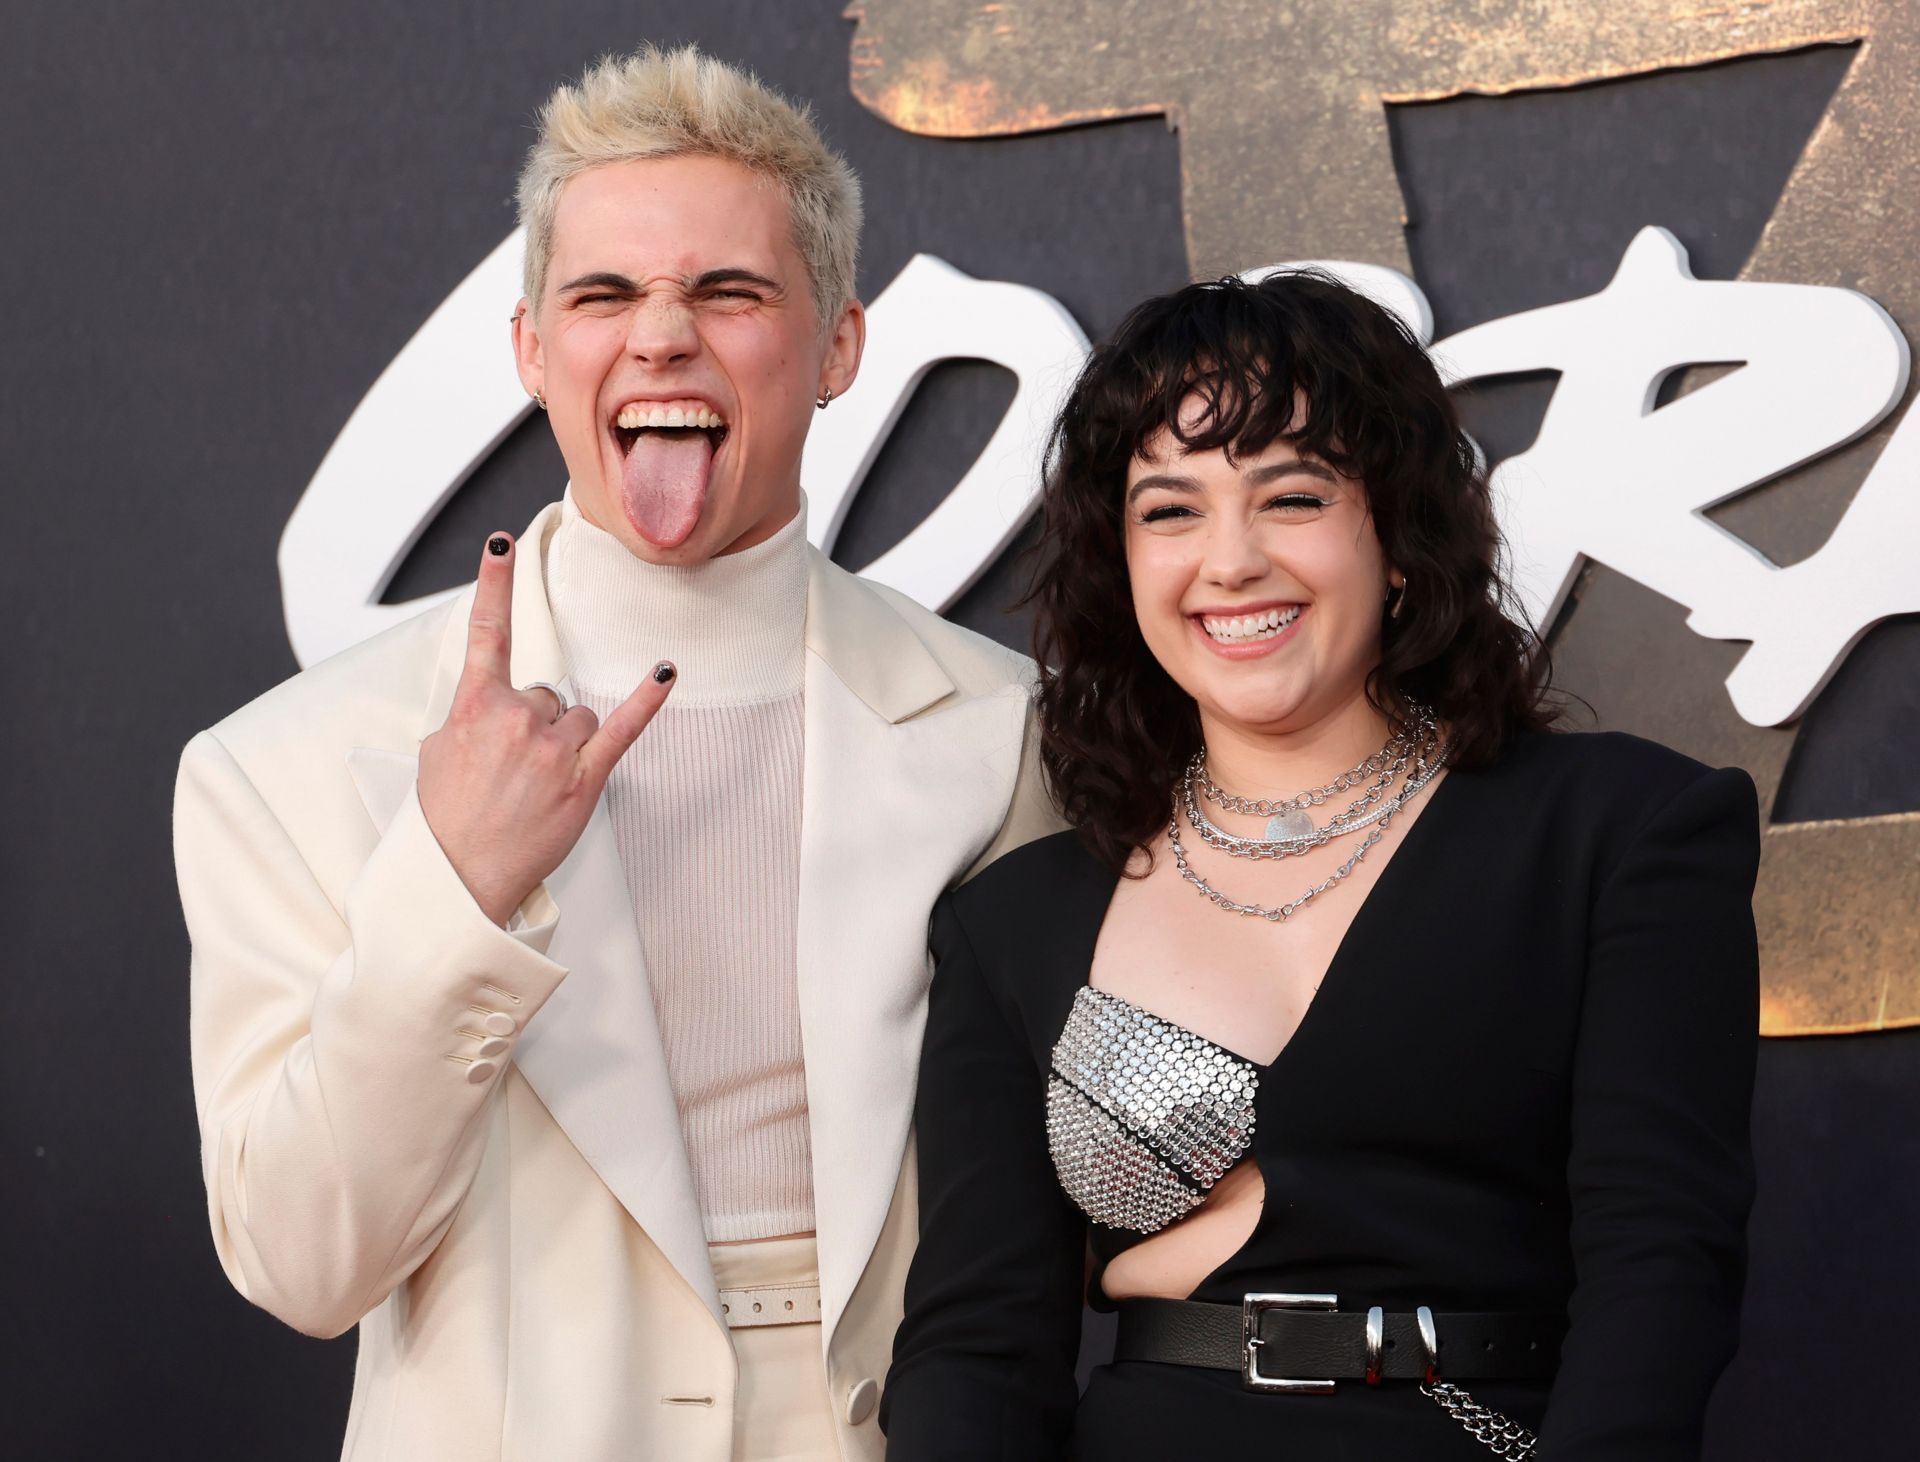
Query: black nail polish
[(663, 672), (499, 544)]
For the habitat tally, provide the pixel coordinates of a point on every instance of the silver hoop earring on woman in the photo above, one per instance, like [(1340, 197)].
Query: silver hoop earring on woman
[(826, 395), (1399, 601)]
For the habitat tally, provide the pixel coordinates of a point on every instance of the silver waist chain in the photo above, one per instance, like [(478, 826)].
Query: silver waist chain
[(1500, 1435)]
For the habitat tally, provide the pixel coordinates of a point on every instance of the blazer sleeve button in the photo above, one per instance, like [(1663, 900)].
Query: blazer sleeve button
[(481, 1072), (861, 1399), (499, 1024)]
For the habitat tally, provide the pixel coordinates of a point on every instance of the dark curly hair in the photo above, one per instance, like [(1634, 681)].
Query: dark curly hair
[(1116, 730)]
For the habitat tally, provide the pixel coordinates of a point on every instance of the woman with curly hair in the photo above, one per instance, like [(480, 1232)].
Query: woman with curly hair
[(1381, 1053)]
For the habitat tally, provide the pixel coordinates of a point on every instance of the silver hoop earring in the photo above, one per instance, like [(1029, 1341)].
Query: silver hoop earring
[(826, 395), (1399, 601), (540, 400)]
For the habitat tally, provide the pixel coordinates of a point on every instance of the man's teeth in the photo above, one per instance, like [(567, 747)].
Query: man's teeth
[(639, 415), (1247, 627)]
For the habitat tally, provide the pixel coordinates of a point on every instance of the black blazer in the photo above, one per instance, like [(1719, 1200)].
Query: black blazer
[(1524, 1084)]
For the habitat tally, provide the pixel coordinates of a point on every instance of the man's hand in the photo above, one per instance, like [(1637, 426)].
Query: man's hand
[(506, 787)]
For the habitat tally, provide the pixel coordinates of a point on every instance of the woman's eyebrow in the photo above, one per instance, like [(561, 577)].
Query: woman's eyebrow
[(1253, 477), (1274, 471), (1163, 481)]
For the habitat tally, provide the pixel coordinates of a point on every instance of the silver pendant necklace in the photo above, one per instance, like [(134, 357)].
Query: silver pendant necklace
[(1279, 912), (1289, 826), (1288, 817), (1408, 753), (1353, 820)]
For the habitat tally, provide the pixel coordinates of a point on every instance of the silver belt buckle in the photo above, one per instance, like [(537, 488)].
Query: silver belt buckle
[(1252, 1307)]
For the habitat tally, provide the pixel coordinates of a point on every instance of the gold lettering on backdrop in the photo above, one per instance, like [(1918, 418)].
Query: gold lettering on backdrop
[(1281, 111)]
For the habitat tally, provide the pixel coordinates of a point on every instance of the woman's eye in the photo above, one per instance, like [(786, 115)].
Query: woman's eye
[(1162, 514), (1296, 502)]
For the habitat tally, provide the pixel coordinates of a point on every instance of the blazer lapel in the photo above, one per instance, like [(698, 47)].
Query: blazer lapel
[(594, 1055), (905, 786), (596, 1059)]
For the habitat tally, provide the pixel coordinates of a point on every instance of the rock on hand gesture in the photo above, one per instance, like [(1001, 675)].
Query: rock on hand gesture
[(507, 785)]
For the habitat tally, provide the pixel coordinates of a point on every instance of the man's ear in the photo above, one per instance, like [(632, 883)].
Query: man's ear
[(528, 357), (844, 348)]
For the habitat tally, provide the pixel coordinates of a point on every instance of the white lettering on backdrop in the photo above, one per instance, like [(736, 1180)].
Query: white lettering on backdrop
[(1609, 477), (1613, 479)]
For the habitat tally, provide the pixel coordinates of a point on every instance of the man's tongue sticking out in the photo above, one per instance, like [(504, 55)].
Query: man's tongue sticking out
[(664, 484)]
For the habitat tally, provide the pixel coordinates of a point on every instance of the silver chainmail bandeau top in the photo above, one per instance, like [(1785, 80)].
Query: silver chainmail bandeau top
[(1143, 1116)]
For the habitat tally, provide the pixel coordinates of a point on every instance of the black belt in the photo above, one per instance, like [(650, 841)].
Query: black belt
[(1272, 1339)]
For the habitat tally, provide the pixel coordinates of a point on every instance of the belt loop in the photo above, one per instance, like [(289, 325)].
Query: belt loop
[(1430, 1338), (1376, 1338)]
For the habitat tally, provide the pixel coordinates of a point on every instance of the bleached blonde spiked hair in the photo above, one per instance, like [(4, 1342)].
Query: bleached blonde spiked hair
[(657, 103)]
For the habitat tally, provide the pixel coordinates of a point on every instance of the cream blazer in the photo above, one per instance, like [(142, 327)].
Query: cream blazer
[(461, 1139)]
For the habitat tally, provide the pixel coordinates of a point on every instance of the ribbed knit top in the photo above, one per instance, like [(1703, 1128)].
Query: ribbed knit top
[(706, 812)]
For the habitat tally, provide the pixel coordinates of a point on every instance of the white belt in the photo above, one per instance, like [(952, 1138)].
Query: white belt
[(772, 1304)]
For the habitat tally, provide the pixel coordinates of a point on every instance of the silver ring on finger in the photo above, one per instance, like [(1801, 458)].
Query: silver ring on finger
[(560, 702)]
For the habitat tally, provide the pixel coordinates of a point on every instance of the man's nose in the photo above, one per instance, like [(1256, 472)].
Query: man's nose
[(663, 332)]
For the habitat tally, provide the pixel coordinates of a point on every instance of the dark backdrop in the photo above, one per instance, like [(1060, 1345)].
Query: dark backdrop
[(223, 220)]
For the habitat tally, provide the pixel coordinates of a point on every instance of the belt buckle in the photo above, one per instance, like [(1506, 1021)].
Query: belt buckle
[(1252, 1307)]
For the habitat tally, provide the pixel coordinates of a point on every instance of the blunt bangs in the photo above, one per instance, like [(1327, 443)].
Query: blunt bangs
[(1262, 369)]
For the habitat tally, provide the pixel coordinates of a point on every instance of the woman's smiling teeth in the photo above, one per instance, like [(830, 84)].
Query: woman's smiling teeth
[(1246, 628)]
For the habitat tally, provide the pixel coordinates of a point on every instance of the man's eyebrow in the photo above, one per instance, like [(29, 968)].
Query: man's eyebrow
[(711, 279), (733, 275), (604, 279)]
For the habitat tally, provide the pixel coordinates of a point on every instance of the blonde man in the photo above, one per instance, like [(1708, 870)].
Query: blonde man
[(560, 956)]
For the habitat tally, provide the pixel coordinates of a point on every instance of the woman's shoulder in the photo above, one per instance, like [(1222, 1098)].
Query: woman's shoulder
[(1032, 876), (1042, 903), (1610, 784), (1612, 767)]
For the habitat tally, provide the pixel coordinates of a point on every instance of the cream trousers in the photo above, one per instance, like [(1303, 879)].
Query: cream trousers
[(781, 1410)]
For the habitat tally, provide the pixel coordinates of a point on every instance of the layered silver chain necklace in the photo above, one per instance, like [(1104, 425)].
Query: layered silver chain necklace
[(1289, 819), (1290, 829), (1414, 756)]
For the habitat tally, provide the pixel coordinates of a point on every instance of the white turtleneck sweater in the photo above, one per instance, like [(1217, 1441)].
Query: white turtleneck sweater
[(706, 811)]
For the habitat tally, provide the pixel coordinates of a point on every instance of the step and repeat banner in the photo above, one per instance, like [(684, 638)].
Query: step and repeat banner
[(260, 404)]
